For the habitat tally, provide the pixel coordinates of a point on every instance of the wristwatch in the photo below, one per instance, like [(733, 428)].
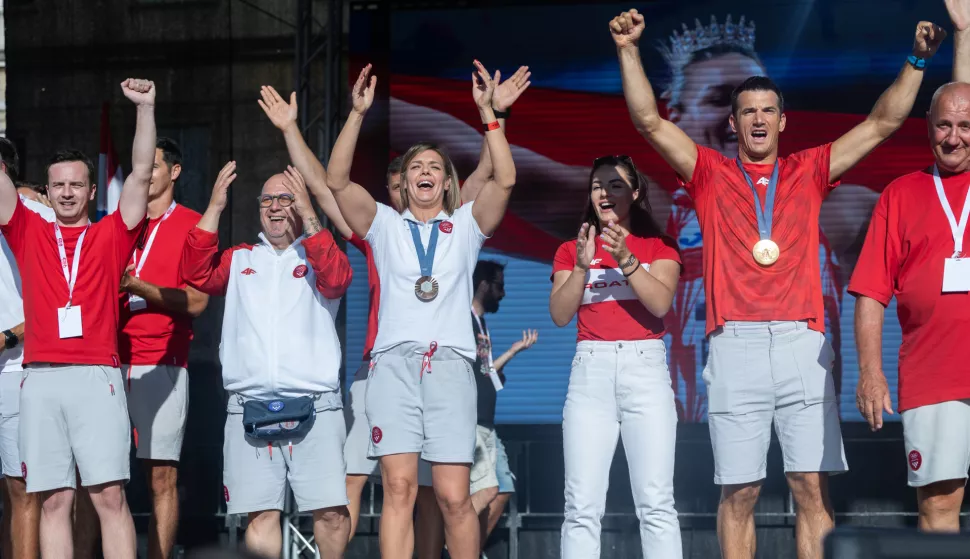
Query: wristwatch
[(917, 62), (10, 339)]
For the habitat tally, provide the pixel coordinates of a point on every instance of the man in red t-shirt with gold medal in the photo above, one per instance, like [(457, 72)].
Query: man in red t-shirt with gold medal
[(769, 360), (916, 251)]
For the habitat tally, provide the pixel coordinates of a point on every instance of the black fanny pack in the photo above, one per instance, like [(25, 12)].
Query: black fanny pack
[(280, 419)]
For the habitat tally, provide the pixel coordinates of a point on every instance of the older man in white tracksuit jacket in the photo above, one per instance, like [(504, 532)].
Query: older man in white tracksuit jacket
[(280, 361)]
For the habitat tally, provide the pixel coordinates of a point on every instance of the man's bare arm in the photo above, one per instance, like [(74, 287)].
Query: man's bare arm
[(675, 146), (890, 111), (133, 203), (185, 301)]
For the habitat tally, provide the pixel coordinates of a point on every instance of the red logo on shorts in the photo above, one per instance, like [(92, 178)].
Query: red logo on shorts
[(23, 470), (300, 271), (915, 460), (446, 226), (376, 435), (248, 272), (225, 493)]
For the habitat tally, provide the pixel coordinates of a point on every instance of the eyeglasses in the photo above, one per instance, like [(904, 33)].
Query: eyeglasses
[(266, 201)]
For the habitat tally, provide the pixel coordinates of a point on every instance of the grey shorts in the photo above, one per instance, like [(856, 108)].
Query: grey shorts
[(506, 479), (158, 404), (359, 435), (73, 415), (433, 414), (10, 422), (937, 444), (484, 471), (255, 474), (759, 372)]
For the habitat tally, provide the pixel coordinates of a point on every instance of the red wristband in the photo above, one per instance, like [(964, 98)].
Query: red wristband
[(494, 125)]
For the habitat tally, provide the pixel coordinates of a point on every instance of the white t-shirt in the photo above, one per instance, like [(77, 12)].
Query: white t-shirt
[(402, 317), (11, 297)]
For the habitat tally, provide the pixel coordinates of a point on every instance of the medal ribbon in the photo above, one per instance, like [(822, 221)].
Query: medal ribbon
[(957, 229), (425, 258), (764, 215)]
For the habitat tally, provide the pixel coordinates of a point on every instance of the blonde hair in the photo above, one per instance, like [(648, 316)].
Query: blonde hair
[(452, 197)]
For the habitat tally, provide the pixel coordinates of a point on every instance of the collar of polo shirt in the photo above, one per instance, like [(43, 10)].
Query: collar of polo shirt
[(442, 216)]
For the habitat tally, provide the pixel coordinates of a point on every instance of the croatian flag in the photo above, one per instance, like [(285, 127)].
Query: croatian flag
[(110, 176)]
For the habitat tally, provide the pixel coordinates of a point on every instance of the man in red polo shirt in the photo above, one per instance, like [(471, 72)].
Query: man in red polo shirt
[(156, 329), (916, 251), (73, 406), (769, 361)]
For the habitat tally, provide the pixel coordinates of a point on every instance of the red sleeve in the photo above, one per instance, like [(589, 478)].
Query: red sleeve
[(126, 239), (878, 266), (819, 158), (565, 258), (707, 160), (203, 267), (659, 248), (15, 230), (329, 263), (359, 244)]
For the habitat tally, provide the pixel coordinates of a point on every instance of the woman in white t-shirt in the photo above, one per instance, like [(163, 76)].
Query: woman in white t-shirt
[(421, 394), (619, 278)]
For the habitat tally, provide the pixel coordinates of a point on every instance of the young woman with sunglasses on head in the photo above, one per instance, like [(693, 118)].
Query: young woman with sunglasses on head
[(618, 277)]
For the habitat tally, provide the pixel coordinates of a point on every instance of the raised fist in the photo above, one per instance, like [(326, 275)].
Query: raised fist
[(140, 92), (928, 39), (626, 28)]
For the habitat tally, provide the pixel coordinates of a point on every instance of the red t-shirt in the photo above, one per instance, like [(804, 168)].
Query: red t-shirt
[(374, 292), (155, 336), (610, 310), (736, 287), (908, 240), (104, 255)]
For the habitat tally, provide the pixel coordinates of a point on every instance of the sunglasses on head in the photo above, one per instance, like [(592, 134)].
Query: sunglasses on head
[(613, 159)]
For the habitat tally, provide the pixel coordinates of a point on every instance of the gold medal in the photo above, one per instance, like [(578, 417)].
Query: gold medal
[(426, 288), (766, 252)]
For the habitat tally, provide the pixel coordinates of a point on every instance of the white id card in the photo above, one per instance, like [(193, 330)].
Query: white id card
[(136, 303), (69, 322), (496, 381), (956, 275)]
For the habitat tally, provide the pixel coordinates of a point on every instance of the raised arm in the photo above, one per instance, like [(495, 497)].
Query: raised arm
[(133, 203), (502, 100), (529, 338), (959, 11), (490, 204), (872, 392), (568, 286), (283, 116), (8, 198), (354, 202), (676, 147), (890, 111)]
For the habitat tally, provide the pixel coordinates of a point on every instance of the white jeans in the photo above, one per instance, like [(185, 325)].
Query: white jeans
[(620, 388)]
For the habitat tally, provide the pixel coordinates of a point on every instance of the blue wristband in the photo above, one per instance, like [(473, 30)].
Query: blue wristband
[(917, 62)]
